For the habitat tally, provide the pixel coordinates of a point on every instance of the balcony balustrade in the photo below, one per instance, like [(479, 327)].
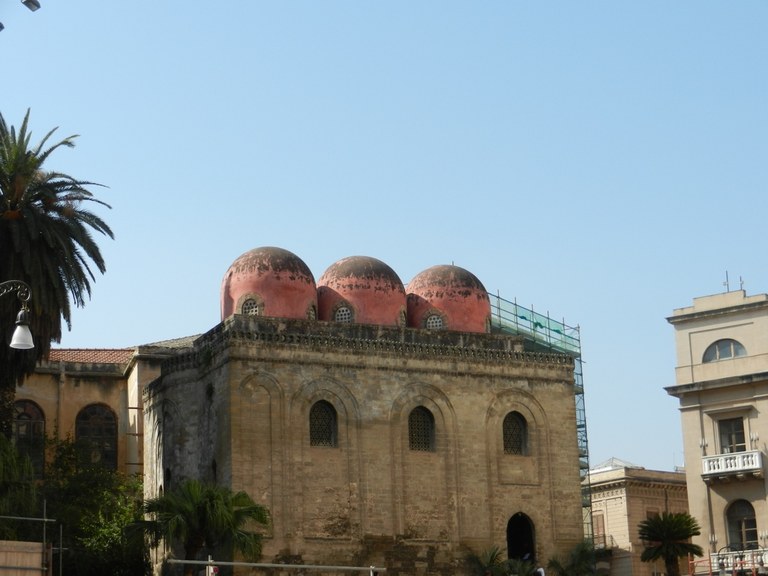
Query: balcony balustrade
[(728, 562), (739, 465)]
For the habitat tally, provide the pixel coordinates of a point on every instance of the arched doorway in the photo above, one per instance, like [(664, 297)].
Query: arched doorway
[(521, 543)]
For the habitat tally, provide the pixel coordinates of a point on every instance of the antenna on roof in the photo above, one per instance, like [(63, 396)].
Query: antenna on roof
[(741, 283), (726, 284)]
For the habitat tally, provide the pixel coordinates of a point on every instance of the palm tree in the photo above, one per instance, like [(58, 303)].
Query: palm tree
[(45, 241), (667, 537), (580, 561), (490, 562), (205, 515), (520, 567)]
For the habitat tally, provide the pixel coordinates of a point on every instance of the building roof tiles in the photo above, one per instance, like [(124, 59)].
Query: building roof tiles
[(92, 355)]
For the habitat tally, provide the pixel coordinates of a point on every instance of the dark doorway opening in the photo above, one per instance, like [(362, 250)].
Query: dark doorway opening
[(520, 539)]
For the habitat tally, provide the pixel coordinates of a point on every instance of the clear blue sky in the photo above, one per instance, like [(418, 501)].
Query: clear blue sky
[(605, 161)]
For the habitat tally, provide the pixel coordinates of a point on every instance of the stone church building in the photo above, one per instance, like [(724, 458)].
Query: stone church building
[(380, 424)]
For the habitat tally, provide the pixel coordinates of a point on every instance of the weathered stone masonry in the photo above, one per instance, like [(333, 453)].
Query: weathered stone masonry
[(236, 410)]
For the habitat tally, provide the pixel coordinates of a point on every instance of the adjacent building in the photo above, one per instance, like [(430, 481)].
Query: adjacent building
[(722, 386), (623, 495)]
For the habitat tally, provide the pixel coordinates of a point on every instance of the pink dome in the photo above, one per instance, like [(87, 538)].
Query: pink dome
[(362, 290), (269, 281), (450, 298)]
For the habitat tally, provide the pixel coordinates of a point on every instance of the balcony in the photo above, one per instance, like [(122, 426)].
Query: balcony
[(733, 562), (734, 466)]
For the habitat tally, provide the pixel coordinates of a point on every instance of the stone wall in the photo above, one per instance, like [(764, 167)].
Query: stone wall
[(236, 411)]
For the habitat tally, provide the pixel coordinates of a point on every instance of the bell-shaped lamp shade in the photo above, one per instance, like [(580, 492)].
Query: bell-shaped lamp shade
[(31, 4), (22, 337)]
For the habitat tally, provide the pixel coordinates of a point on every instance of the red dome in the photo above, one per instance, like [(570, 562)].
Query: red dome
[(362, 290), (448, 297), (269, 281)]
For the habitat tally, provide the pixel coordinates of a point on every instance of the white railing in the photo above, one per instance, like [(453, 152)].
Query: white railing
[(727, 562), (734, 463)]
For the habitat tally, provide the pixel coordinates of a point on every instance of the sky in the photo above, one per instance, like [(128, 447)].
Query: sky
[(601, 161)]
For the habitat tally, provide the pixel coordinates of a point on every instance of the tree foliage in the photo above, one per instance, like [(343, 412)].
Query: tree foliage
[(46, 241), (667, 537), (489, 562), (580, 561), (95, 505), (92, 504), (520, 567), (199, 515), (18, 492)]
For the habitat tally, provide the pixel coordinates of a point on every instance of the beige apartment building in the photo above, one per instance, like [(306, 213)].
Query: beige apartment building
[(722, 385), (623, 495)]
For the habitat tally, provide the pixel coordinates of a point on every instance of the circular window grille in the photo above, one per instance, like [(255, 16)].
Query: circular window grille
[(343, 314), (434, 322), (250, 307)]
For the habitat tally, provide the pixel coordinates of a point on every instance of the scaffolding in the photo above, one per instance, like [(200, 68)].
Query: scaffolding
[(544, 333)]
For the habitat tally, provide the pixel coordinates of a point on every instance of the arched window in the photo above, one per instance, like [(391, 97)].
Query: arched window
[(29, 433), (723, 350), (343, 315), (433, 322), (515, 430), (421, 430), (742, 526), (323, 425), (96, 435)]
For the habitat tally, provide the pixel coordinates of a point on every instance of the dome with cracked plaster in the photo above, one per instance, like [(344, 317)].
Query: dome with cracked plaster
[(362, 290), (269, 281), (448, 297)]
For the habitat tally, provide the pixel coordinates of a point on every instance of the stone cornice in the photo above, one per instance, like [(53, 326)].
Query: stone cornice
[(717, 312), (363, 339)]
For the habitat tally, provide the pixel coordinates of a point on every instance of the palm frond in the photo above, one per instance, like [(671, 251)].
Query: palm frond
[(46, 240), (580, 561), (197, 514), (667, 537)]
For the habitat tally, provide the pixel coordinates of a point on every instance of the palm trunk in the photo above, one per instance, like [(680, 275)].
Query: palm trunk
[(191, 550), (673, 566)]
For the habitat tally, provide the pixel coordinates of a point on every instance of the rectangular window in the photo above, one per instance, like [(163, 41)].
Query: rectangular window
[(598, 526), (731, 431)]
